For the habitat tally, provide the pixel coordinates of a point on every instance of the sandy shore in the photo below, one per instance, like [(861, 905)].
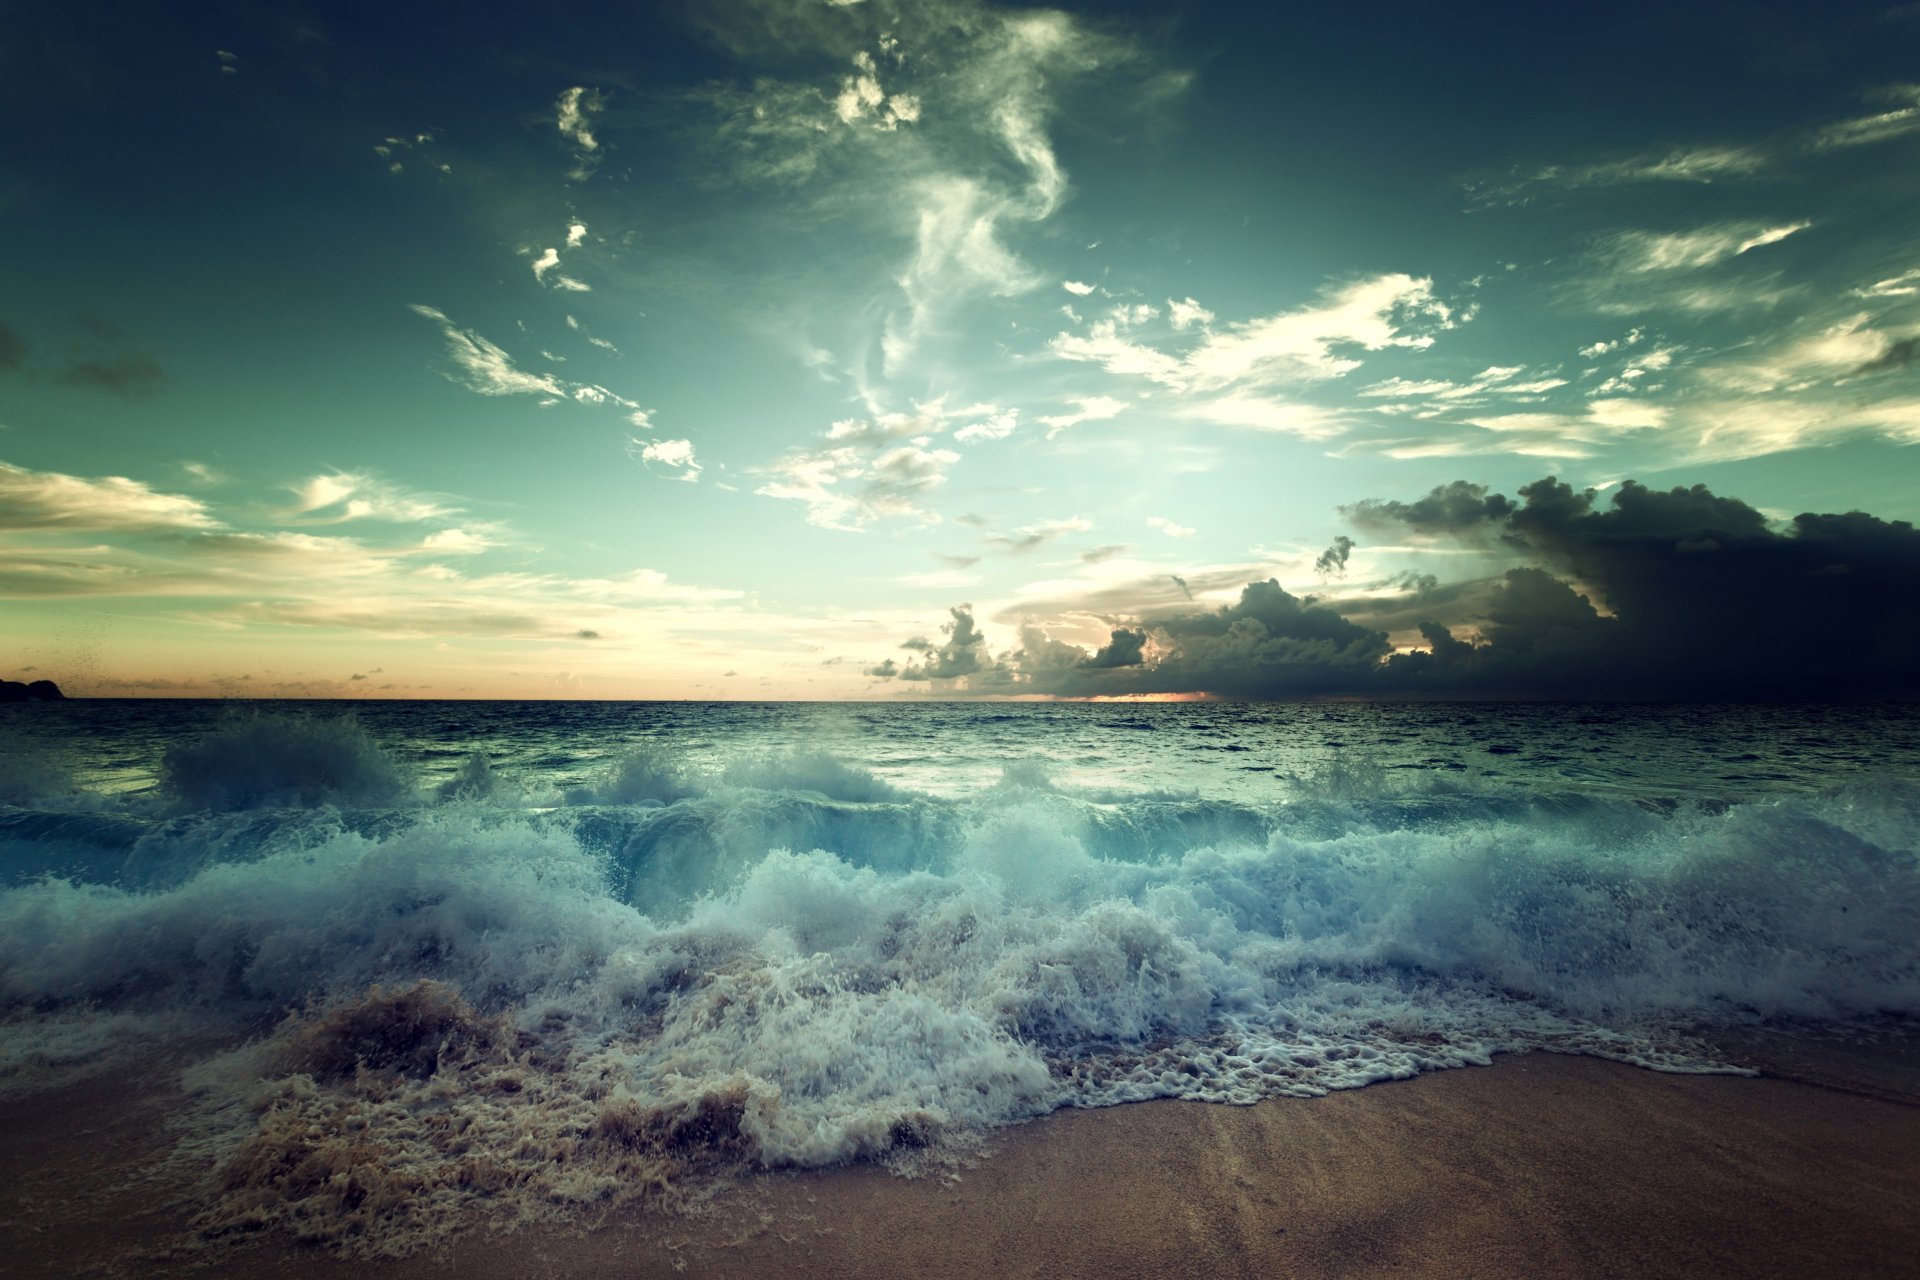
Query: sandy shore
[(1538, 1166)]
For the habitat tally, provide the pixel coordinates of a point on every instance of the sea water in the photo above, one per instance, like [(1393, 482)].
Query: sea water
[(549, 955)]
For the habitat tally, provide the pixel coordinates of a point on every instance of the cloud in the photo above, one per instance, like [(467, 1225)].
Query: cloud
[(997, 426), (963, 654), (851, 485), (1077, 287), (1643, 593), (52, 500), (1229, 374), (1702, 164), (1498, 380), (1268, 643), (1699, 164), (1036, 535), (1646, 251), (1897, 355), (934, 123), (1091, 409), (1884, 126), (1904, 285), (344, 495), (879, 468), (1169, 527), (1676, 593), (1309, 343), (676, 455), (488, 369), (1333, 561), (1187, 313), (573, 114)]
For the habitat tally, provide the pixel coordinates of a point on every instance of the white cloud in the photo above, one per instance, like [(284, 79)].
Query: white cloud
[(1077, 287), (1705, 164), (1186, 313), (1645, 251), (346, 495), (1498, 380), (1832, 352), (576, 233), (1595, 350), (863, 473), (1306, 344), (997, 426), (1092, 409), (489, 370), (1904, 285), (545, 263), (1865, 130), (456, 542), (574, 111), (1254, 412), (1169, 527), (52, 500), (677, 455)]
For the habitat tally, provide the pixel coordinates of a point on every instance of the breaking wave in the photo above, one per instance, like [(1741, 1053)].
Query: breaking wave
[(784, 960)]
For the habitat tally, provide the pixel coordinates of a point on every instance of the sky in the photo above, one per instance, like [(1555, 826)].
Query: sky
[(884, 349)]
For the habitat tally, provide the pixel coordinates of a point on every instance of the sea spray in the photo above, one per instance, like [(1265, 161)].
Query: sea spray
[(778, 957)]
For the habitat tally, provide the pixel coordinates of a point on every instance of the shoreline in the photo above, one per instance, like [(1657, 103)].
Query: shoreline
[(1541, 1164)]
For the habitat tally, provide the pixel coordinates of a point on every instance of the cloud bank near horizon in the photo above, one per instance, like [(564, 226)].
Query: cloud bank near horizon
[(1663, 595)]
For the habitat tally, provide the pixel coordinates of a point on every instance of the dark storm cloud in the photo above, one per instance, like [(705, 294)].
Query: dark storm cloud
[(1679, 593), (1448, 509), (1124, 649), (1674, 594)]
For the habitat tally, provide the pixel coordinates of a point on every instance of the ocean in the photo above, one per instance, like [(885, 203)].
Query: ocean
[(417, 961)]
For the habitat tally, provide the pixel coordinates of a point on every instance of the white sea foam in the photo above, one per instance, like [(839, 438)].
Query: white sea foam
[(780, 957), (1019, 969)]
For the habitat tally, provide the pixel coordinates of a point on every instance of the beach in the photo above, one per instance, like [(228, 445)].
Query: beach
[(1542, 1164)]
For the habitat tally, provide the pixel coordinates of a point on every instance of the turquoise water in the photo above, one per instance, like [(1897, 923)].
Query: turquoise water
[(865, 929)]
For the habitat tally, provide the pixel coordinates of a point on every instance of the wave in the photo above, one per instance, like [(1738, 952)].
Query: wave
[(270, 760), (807, 965)]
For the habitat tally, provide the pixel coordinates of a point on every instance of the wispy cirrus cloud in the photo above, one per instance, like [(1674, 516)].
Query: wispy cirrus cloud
[(1702, 164), (489, 370)]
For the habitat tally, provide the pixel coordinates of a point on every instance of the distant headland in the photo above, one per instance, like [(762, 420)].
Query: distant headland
[(37, 691)]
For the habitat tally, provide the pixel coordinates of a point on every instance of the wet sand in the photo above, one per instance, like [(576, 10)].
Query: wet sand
[(1537, 1166)]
